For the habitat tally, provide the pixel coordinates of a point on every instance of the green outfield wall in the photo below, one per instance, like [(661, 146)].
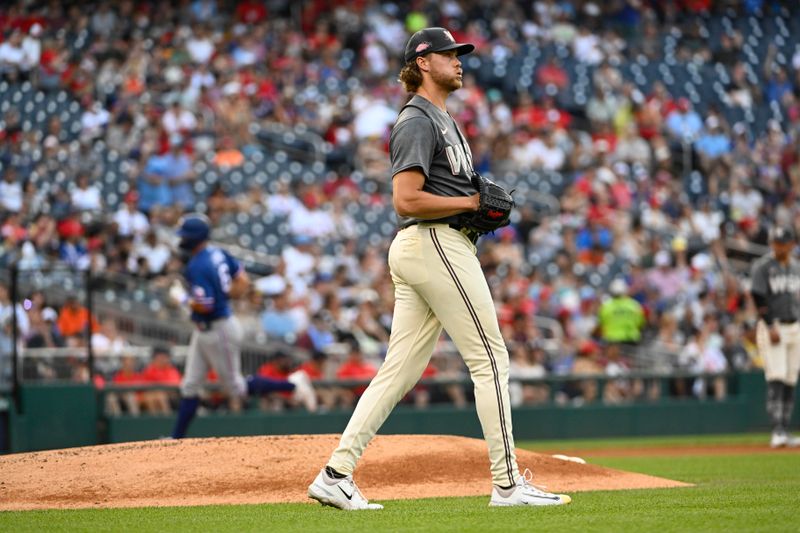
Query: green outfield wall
[(53, 416), (59, 416)]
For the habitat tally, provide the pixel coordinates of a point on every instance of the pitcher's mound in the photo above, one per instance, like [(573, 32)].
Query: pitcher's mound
[(239, 470)]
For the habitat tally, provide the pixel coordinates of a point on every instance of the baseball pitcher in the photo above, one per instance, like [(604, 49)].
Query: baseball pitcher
[(775, 288), (443, 207)]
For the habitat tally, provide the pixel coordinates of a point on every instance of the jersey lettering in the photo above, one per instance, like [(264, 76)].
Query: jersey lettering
[(199, 296), (784, 284), (223, 271), (210, 274), (224, 274), (458, 159)]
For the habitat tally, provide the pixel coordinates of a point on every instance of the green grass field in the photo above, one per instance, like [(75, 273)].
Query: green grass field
[(747, 492)]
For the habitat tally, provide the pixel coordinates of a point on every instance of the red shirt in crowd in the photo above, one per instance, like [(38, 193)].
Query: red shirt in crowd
[(251, 12), (163, 375), (356, 368), (128, 377), (124, 377), (553, 74), (312, 369), (273, 371)]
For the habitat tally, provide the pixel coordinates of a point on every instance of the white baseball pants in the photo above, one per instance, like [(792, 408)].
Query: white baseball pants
[(438, 284), (781, 360)]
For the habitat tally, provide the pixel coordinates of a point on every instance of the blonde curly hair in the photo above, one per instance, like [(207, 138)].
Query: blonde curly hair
[(411, 76)]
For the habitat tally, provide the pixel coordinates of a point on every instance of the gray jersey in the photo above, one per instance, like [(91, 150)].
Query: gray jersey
[(429, 139), (779, 286)]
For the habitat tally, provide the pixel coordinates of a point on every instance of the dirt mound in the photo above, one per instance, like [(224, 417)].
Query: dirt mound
[(239, 470)]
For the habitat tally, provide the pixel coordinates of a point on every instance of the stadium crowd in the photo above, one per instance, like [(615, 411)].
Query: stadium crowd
[(632, 271)]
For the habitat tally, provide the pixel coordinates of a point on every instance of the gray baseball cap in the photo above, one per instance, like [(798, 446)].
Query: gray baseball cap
[(781, 234), (434, 40)]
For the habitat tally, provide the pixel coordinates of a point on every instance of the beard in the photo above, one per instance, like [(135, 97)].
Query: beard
[(445, 81)]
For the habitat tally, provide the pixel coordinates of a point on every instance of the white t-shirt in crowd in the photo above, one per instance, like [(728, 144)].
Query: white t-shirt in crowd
[(32, 48), (282, 204), (200, 49), (94, 119), (11, 55), (157, 256), (131, 223), (87, 199), (708, 224), (11, 195), (183, 120), (104, 345)]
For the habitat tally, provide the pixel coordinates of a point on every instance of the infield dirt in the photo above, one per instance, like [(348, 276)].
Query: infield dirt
[(250, 470)]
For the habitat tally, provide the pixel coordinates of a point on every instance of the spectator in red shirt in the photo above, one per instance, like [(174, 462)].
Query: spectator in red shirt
[(547, 116), (315, 367), (278, 368), (160, 371), (132, 400), (251, 12), (355, 368), (551, 73), (322, 38)]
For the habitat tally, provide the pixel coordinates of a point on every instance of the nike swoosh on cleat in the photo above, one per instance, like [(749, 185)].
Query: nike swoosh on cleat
[(444, 131), (553, 498), (348, 496)]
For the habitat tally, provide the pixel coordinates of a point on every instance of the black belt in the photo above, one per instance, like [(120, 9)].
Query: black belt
[(468, 232), (790, 321)]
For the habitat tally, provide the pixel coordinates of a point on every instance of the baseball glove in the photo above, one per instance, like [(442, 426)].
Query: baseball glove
[(494, 209)]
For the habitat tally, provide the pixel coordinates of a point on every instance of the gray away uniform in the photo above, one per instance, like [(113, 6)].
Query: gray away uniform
[(778, 288)]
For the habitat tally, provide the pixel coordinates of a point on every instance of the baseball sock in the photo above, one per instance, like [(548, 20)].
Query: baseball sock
[(333, 473), (788, 404), (259, 385), (775, 404), (186, 411)]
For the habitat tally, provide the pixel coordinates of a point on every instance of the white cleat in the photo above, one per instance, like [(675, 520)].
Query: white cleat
[(779, 439), (303, 391), (340, 493), (792, 441), (525, 494)]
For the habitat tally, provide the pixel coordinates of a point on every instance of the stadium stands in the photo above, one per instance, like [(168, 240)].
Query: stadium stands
[(286, 138)]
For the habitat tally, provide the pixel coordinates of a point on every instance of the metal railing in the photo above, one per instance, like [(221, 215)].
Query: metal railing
[(137, 309), (553, 383)]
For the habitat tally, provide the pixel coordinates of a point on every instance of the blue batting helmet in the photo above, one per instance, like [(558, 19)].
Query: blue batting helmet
[(193, 230)]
